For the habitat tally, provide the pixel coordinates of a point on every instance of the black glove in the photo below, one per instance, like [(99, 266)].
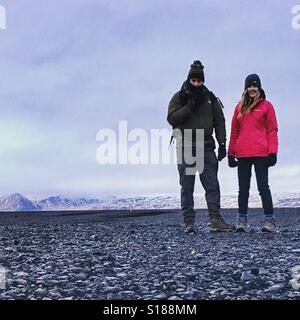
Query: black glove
[(232, 162), (221, 151), (272, 159)]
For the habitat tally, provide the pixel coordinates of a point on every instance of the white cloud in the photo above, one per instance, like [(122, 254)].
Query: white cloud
[(69, 70)]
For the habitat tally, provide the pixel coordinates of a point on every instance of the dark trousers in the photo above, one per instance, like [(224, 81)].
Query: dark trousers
[(244, 176), (210, 183)]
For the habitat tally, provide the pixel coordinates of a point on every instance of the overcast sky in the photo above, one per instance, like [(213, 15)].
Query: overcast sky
[(71, 68)]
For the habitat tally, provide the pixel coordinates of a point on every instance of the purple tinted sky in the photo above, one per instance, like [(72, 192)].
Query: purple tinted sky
[(70, 68)]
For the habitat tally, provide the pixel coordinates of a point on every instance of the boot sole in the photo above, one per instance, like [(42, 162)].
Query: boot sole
[(221, 230), (189, 231), (242, 230), (267, 230)]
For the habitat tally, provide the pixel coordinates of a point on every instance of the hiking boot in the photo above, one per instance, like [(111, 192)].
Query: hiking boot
[(242, 225), (269, 225), (219, 225), (189, 227)]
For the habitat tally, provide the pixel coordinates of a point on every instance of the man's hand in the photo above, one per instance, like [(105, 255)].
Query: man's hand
[(192, 98), (221, 151), (232, 162)]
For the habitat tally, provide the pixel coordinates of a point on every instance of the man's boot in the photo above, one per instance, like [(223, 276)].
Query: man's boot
[(189, 226), (219, 225)]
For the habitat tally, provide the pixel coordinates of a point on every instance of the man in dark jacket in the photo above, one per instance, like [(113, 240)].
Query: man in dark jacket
[(195, 107)]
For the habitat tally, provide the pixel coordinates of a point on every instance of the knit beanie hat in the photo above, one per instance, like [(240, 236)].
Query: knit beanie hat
[(196, 71), (252, 79)]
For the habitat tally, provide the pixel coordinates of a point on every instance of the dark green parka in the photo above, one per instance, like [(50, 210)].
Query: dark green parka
[(185, 112)]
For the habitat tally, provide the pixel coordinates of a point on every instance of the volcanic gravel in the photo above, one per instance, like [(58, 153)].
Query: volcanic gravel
[(146, 255)]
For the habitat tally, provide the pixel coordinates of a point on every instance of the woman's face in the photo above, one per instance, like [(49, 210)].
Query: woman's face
[(253, 91)]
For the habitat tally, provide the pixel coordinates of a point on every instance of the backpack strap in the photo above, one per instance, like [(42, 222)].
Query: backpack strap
[(214, 98), (171, 139)]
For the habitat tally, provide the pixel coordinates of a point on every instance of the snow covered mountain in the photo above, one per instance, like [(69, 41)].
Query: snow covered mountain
[(17, 202), (60, 203)]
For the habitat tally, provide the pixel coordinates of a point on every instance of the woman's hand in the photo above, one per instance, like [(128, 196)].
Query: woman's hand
[(232, 162), (272, 159)]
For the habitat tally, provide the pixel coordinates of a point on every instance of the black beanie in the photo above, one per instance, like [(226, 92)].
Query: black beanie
[(252, 79), (196, 71)]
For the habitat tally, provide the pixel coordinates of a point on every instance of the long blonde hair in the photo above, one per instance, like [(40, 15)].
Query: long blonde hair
[(247, 103)]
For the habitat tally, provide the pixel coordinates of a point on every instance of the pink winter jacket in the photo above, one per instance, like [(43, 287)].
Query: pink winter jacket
[(255, 133)]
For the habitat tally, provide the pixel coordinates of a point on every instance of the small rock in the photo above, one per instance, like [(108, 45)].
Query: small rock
[(3, 258), (121, 275), (81, 276), (21, 274), (296, 250), (275, 288), (255, 271), (41, 292), (21, 282), (247, 276), (161, 296), (174, 298)]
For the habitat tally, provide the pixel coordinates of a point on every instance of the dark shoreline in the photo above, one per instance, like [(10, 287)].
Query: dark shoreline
[(106, 215)]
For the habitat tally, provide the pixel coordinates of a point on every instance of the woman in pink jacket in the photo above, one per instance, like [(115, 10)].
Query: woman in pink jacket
[(254, 141)]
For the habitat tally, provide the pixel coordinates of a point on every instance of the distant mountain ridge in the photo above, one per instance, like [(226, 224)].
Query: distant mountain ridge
[(17, 202)]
